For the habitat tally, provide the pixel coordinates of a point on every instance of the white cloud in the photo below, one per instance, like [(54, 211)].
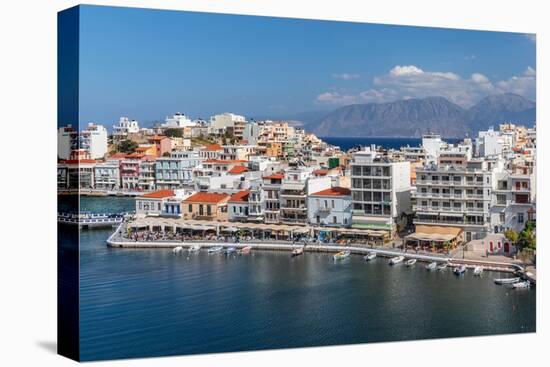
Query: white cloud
[(346, 76), (410, 81)]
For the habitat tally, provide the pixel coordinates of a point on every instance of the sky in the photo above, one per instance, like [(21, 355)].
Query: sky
[(148, 64)]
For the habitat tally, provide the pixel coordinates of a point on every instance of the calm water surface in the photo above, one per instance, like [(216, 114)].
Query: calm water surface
[(138, 303), (346, 143)]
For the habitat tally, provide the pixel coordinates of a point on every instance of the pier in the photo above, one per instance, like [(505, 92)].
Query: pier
[(90, 220)]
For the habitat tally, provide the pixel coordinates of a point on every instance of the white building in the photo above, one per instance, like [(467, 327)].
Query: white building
[(381, 190), (152, 203), (455, 196), (219, 123), (177, 121), (67, 141), (432, 144), (330, 207), (94, 140), (124, 127), (107, 175), (176, 171)]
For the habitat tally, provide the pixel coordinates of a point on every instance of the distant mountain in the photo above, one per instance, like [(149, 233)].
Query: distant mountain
[(414, 117), (492, 110)]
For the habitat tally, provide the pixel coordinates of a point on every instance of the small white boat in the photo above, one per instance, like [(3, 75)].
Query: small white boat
[(507, 280), (177, 249), (194, 248), (431, 266), (524, 284), (297, 252), (342, 255), (459, 270), (230, 250), (411, 262), (215, 249), (370, 256), (442, 267), (396, 260), (478, 271), (246, 250)]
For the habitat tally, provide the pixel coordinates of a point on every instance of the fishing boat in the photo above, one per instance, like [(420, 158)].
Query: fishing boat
[(459, 270), (177, 249), (524, 284), (214, 249), (411, 262), (297, 252), (507, 280), (442, 267), (370, 256), (478, 271), (396, 260), (194, 248), (246, 250), (342, 255), (230, 250), (431, 266)]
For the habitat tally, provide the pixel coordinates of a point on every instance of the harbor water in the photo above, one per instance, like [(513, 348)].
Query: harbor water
[(152, 302)]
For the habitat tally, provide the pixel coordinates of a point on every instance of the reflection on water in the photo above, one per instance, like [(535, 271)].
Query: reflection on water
[(137, 303)]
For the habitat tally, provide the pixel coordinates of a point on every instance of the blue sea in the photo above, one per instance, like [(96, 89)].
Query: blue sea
[(143, 303), (346, 143)]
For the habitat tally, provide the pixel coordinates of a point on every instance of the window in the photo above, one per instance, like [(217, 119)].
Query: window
[(190, 208), (502, 217), (332, 203), (334, 220), (140, 205), (520, 218), (158, 206)]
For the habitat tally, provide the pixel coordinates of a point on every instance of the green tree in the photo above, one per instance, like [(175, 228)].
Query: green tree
[(127, 146), (511, 235), (174, 133)]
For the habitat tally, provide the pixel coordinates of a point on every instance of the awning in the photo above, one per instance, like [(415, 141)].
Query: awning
[(230, 229)]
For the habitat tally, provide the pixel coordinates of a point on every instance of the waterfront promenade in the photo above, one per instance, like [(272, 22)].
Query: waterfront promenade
[(119, 239)]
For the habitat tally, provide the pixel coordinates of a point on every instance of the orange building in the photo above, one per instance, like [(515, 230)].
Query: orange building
[(206, 206)]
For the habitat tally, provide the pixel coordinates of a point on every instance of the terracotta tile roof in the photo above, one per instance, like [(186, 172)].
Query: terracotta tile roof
[(118, 156), (237, 170), (275, 176), (333, 191), (158, 138), (135, 155), (213, 147), (206, 197), (239, 197), (160, 194), (320, 172)]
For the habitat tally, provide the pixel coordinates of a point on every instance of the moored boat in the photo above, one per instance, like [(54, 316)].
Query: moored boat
[(442, 267), (297, 252), (431, 266), (177, 249), (230, 250), (459, 270), (194, 248), (342, 255), (396, 260), (215, 249), (246, 250), (524, 284), (507, 280), (411, 262), (370, 256), (478, 270)]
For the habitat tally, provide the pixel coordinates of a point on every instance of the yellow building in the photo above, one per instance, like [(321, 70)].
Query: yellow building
[(206, 206)]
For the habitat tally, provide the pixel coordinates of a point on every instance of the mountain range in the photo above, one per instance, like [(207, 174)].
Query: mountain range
[(414, 117)]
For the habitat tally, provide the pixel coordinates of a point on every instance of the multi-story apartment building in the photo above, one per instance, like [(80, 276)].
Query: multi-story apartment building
[(176, 171), (146, 179), (295, 186), (206, 206), (94, 140), (381, 190), (130, 167), (272, 189), (107, 175), (455, 196), (513, 202), (67, 141)]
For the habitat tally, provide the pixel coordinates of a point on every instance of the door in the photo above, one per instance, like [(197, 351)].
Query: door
[(506, 247)]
